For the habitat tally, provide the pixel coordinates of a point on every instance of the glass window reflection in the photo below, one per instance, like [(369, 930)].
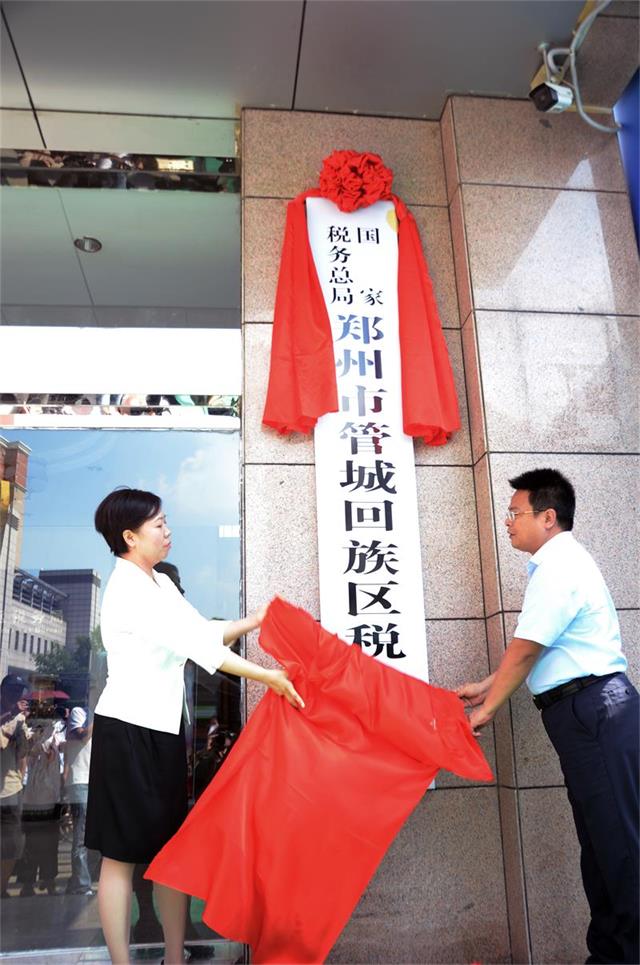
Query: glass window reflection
[(53, 567)]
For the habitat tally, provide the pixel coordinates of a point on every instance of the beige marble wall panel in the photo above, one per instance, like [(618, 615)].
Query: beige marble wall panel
[(558, 911), (556, 383), (435, 233), (508, 142), (254, 691), (537, 763), (473, 377), (505, 759), (630, 633), (607, 519), (458, 450), (457, 652), (283, 152), (263, 223), (514, 876), (622, 8), (534, 249), (460, 256), (488, 546), (496, 640), (449, 541), (280, 530), (449, 149), (438, 895), (261, 444), (607, 61)]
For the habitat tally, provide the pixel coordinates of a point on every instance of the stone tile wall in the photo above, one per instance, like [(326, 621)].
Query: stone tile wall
[(439, 895), (546, 267), (527, 230)]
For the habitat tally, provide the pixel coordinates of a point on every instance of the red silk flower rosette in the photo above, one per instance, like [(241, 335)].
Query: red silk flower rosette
[(352, 180)]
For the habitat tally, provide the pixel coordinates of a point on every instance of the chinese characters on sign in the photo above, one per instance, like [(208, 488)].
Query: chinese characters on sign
[(371, 590)]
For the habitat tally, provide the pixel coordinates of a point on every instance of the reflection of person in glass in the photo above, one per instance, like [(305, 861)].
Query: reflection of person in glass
[(15, 736), (138, 781), (209, 759), (41, 809), (77, 758)]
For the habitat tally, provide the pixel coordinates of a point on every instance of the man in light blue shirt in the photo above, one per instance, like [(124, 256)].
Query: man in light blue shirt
[(569, 611), (567, 646)]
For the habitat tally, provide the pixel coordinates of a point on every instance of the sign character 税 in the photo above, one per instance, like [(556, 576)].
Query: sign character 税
[(383, 641)]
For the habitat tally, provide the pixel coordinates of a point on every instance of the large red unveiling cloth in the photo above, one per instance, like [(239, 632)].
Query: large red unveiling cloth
[(302, 380), (284, 840)]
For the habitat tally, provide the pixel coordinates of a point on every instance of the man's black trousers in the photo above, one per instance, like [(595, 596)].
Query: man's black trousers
[(595, 733)]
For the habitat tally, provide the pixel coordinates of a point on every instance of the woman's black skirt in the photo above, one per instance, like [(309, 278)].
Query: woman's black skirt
[(137, 789)]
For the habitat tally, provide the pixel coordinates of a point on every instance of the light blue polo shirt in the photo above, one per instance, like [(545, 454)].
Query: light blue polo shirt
[(568, 609)]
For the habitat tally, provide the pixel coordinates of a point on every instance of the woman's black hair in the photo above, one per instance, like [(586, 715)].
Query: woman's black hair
[(122, 509)]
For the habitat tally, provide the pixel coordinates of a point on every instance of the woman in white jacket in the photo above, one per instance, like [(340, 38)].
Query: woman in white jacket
[(138, 779)]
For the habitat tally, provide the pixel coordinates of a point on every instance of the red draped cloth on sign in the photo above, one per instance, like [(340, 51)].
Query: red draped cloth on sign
[(302, 380), (284, 840)]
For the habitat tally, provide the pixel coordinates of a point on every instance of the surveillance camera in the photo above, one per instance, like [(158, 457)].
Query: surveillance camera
[(551, 98)]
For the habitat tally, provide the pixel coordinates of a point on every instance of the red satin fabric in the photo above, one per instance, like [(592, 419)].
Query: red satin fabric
[(302, 381), (284, 840)]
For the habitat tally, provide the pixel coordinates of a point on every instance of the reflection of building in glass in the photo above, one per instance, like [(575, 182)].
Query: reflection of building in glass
[(14, 460), (35, 621), (58, 606), (80, 589)]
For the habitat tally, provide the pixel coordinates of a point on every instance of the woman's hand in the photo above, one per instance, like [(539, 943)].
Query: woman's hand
[(255, 619), (278, 681), (238, 628)]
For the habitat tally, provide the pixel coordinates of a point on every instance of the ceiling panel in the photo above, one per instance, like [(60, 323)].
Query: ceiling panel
[(12, 90), (38, 264), (160, 248), (135, 134), (18, 130), (402, 57), (180, 57)]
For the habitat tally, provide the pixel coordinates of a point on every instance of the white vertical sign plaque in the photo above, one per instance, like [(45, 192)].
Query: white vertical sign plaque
[(368, 536)]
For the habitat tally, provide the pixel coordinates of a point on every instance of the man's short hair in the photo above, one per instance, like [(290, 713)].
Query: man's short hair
[(549, 489), (123, 509)]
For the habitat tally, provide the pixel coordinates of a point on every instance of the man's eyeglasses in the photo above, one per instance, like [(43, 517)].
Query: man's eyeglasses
[(511, 516)]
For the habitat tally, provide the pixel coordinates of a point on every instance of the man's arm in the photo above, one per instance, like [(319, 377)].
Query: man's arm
[(518, 659)]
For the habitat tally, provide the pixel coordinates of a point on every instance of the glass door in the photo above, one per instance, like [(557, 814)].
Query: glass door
[(54, 567)]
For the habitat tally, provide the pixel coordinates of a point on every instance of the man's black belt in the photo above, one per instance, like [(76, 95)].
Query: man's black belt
[(550, 697)]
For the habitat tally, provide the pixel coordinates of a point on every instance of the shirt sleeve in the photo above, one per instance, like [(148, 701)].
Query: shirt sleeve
[(551, 602), (201, 640)]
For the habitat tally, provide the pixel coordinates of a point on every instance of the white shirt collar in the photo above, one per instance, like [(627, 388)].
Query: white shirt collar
[(557, 542), (132, 569)]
